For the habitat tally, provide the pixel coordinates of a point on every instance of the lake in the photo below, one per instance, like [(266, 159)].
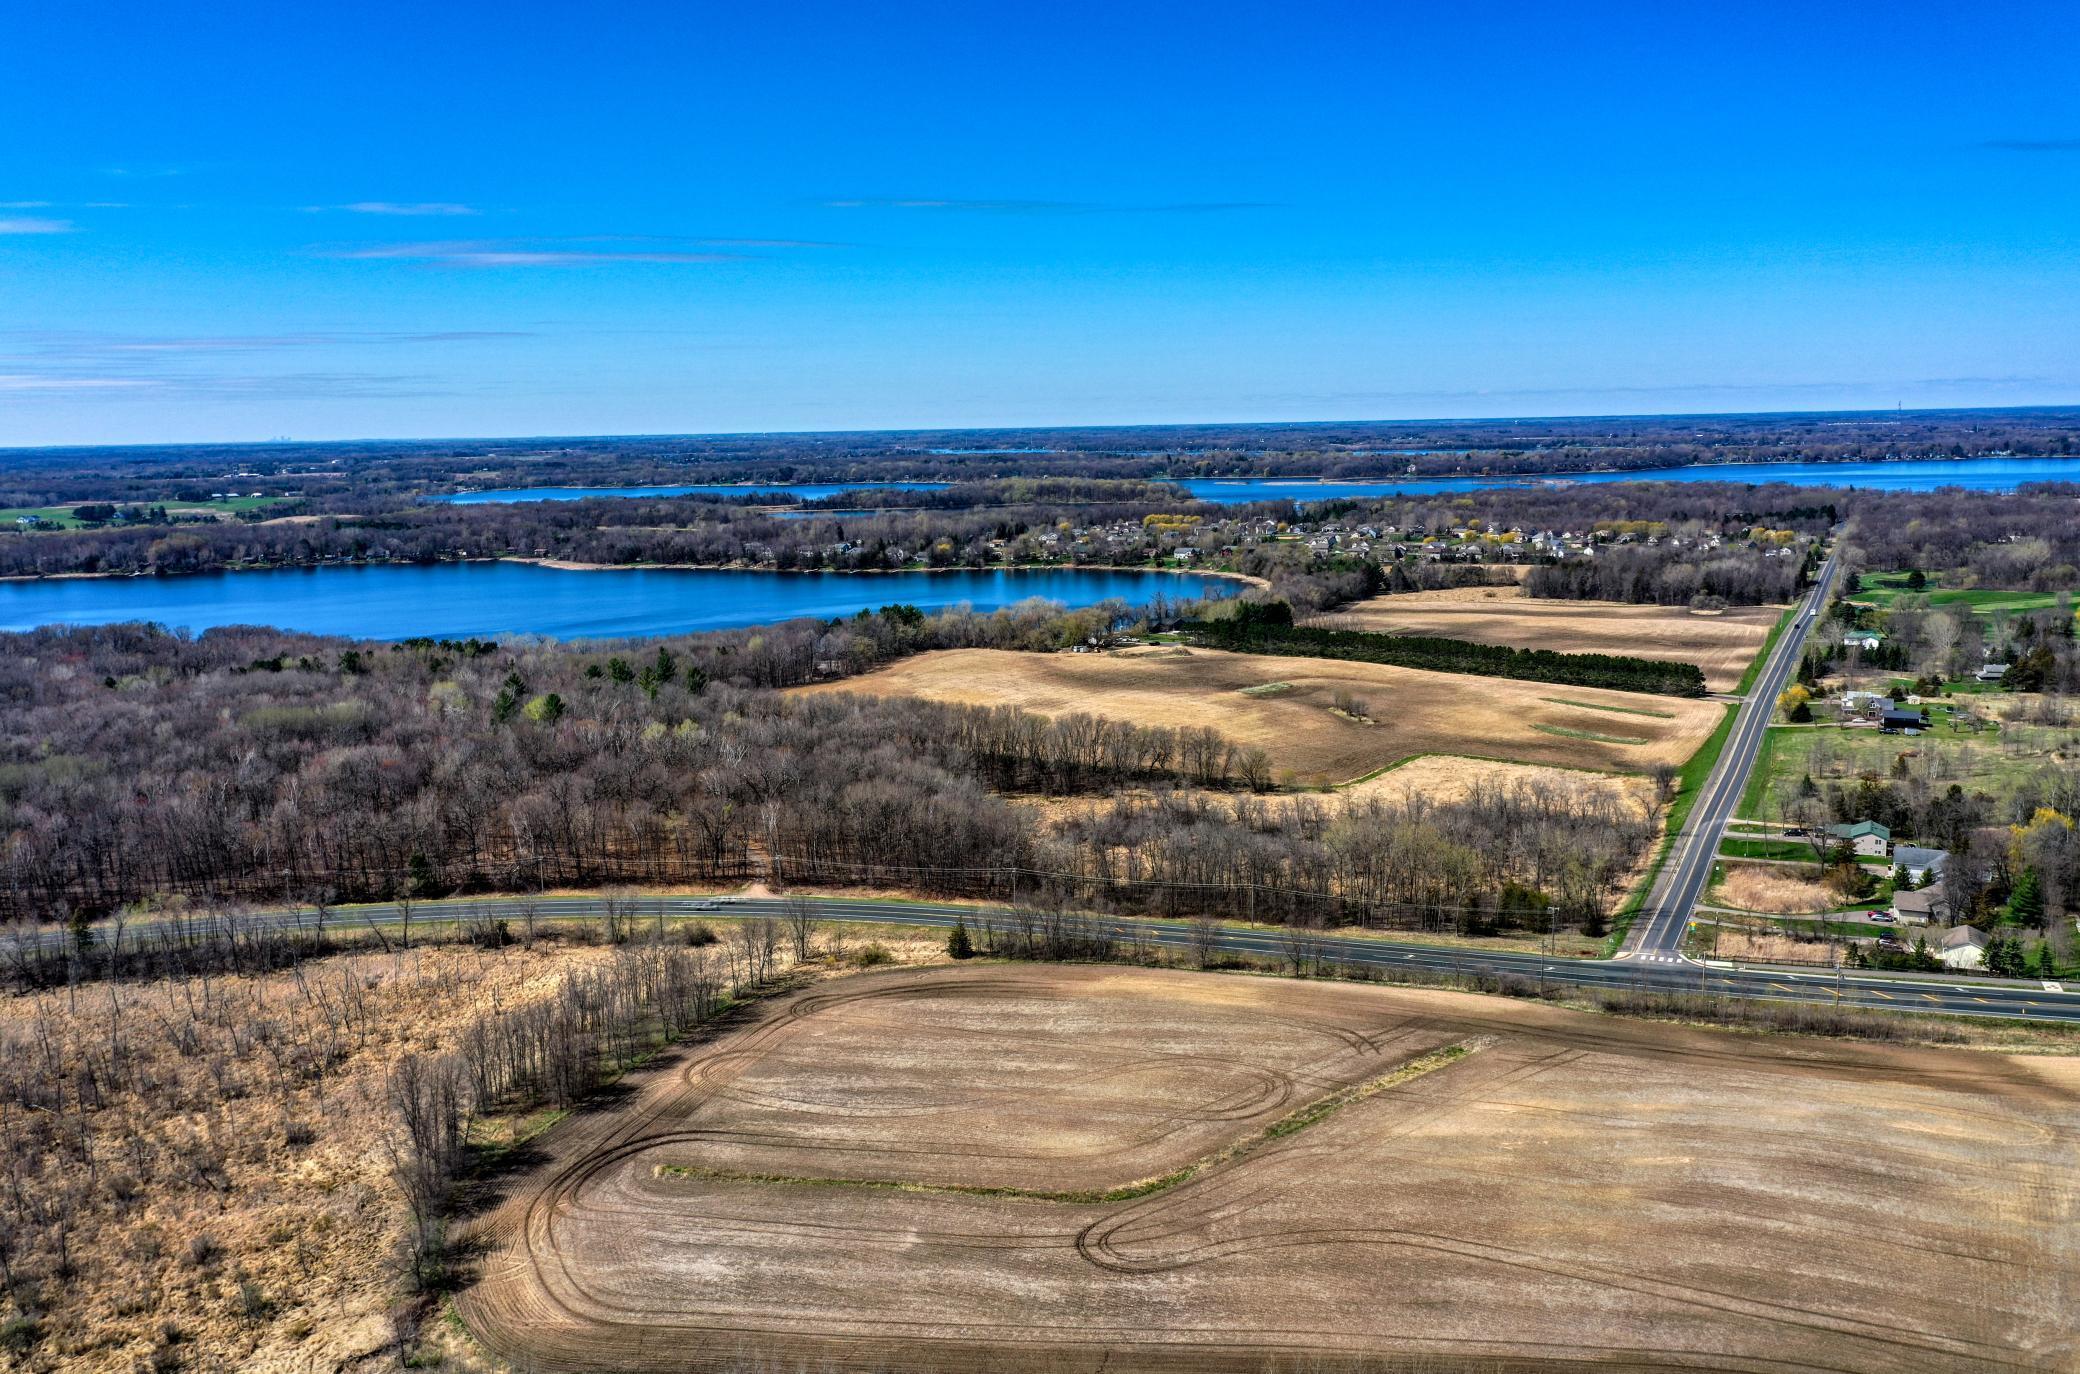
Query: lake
[(1909, 474), (455, 600), (807, 491), (1913, 474)]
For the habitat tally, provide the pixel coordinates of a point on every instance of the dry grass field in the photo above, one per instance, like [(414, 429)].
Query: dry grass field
[(1285, 706), (1721, 643), (1083, 1168), (1779, 889)]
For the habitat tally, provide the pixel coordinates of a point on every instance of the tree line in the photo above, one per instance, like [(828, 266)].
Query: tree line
[(1261, 628)]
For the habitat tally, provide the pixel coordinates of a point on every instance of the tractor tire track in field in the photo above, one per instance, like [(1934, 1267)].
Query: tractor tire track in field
[(1175, 1210)]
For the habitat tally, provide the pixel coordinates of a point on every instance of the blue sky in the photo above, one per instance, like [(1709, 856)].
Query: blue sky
[(239, 221)]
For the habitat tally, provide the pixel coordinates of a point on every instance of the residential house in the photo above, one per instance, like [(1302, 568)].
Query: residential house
[(1862, 639), (1993, 672), (1867, 838), (1921, 864), (1862, 703), (1920, 907), (1897, 719), (1962, 947)]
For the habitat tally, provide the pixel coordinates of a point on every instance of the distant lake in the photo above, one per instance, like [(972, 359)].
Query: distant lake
[(452, 600), (1914, 474), (807, 491), (1911, 474)]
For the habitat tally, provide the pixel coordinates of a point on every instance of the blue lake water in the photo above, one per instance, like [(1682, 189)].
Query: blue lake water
[(1912, 474), (807, 491), (452, 600), (1916, 474)]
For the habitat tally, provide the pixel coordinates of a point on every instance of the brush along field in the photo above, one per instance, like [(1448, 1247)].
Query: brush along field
[(1015, 1168), (1288, 707), (1721, 643)]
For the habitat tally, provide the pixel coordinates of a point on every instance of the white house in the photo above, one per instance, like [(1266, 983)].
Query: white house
[(1963, 947)]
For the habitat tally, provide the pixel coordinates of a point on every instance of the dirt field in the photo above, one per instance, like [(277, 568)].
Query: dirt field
[(1720, 643), (1014, 1168), (1284, 705)]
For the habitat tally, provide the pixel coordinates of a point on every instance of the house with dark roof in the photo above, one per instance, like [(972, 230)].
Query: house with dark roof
[(1921, 864), (1898, 718)]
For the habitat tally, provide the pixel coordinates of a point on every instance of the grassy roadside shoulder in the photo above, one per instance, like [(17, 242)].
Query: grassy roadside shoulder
[(1690, 783), (1769, 647)]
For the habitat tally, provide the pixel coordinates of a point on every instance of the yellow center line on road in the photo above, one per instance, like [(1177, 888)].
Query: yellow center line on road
[(1931, 997), (1886, 995), (1781, 988), (1987, 1000)]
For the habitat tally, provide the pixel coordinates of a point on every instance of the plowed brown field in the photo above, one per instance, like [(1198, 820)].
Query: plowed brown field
[(1720, 642), (1284, 706), (1014, 1168)]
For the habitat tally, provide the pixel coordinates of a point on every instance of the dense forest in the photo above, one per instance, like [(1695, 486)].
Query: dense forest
[(248, 766), (2028, 540)]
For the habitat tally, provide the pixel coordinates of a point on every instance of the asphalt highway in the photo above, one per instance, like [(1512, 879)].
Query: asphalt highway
[(1656, 936), (1948, 994)]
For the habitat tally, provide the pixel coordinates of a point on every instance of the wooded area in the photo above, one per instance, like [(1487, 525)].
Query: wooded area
[(245, 766)]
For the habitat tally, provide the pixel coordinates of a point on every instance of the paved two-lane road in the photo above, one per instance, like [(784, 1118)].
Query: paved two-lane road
[(1656, 936)]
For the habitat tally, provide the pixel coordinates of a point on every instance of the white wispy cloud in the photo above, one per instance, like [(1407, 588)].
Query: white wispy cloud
[(491, 253), (435, 208), (35, 224)]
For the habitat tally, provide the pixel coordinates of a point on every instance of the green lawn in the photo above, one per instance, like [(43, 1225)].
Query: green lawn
[(62, 515), (1995, 762), (1882, 589)]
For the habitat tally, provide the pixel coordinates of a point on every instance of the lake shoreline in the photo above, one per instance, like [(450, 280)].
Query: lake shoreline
[(571, 565)]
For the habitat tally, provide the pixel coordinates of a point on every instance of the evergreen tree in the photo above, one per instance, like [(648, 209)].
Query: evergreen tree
[(957, 942), (2026, 902)]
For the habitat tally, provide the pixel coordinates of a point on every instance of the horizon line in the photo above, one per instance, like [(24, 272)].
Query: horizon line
[(2062, 408)]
